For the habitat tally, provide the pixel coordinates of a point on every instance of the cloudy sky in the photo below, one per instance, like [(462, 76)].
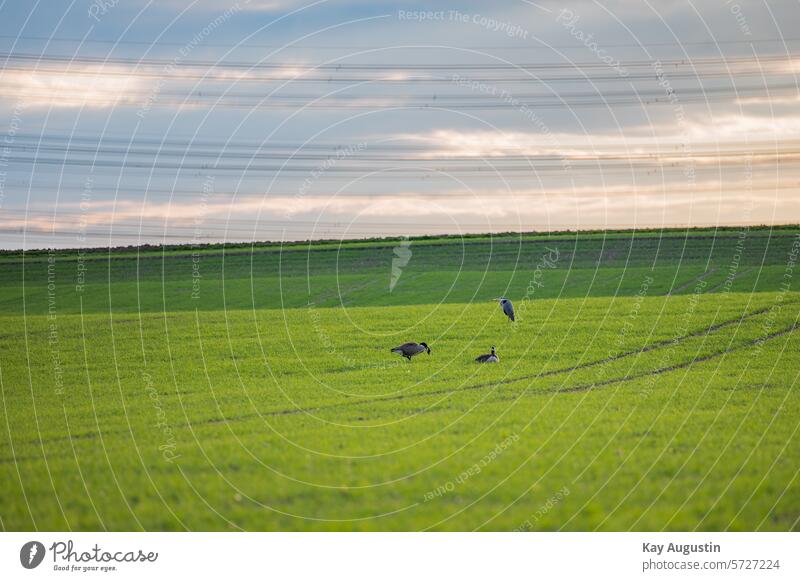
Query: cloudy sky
[(133, 121)]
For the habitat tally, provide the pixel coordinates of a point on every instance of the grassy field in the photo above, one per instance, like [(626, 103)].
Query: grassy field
[(650, 382)]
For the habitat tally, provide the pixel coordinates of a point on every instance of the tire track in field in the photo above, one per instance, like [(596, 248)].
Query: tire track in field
[(695, 280), (731, 279), (579, 388), (648, 348)]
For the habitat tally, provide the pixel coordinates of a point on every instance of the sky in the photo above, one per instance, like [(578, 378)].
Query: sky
[(127, 122)]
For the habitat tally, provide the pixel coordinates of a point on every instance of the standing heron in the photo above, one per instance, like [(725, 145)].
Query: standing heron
[(488, 357), (508, 308), (408, 350)]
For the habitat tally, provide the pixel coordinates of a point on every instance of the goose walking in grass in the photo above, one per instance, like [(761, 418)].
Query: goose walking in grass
[(508, 308), (408, 350), (488, 357)]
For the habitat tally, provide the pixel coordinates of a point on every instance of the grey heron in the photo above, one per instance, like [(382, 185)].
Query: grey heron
[(508, 308)]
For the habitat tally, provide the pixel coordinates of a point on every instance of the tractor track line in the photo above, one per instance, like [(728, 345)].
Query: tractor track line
[(731, 279), (685, 364), (689, 283)]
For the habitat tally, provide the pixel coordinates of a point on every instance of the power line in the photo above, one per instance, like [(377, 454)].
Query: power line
[(212, 76), (362, 47), (333, 146), (489, 172), (510, 155), (254, 100), (160, 63), (761, 89), (229, 196)]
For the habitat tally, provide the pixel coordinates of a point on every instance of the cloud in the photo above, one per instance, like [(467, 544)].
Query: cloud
[(102, 86), (736, 128), (80, 86), (723, 129), (589, 204)]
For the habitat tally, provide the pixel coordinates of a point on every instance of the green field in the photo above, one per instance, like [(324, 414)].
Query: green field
[(650, 382)]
